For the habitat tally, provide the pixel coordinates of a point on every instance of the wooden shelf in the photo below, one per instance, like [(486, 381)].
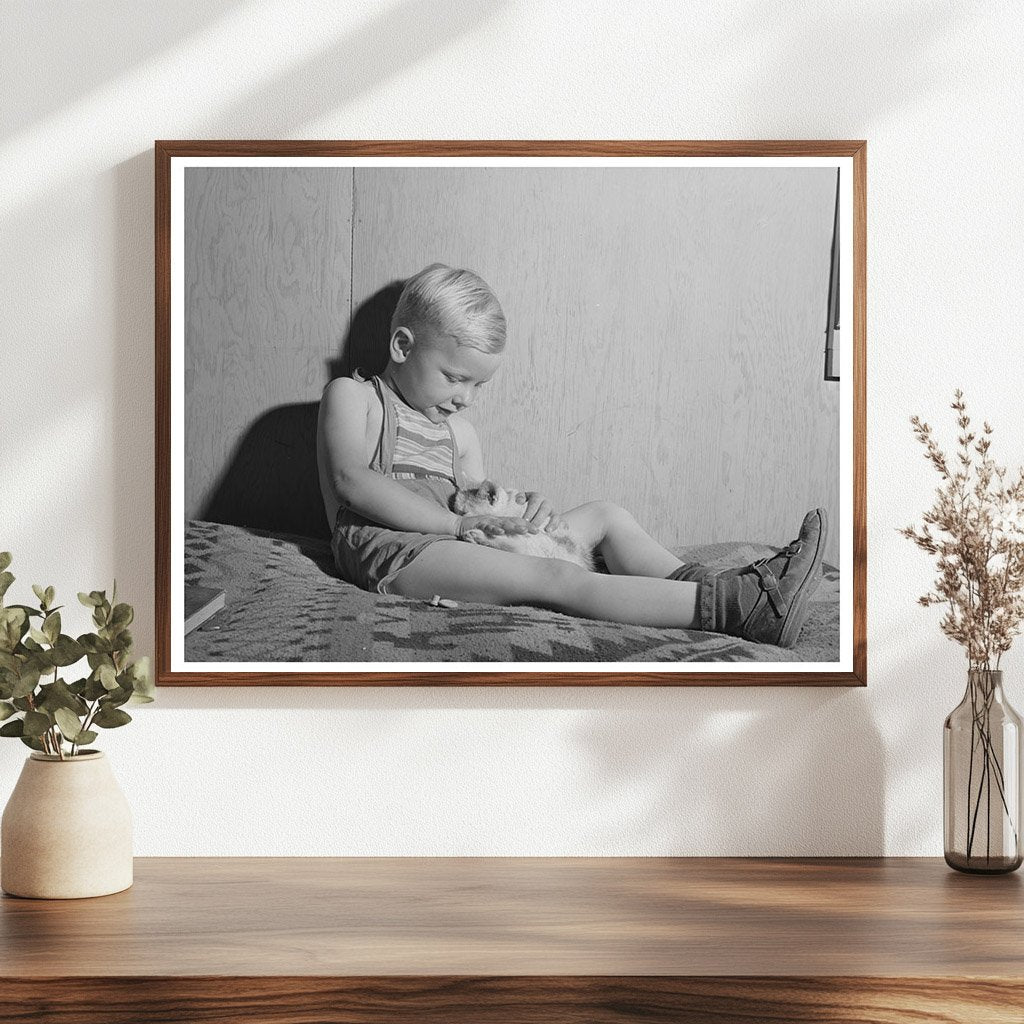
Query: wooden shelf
[(290, 940)]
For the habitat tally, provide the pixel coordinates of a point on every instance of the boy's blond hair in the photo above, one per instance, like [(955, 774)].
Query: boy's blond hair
[(458, 303)]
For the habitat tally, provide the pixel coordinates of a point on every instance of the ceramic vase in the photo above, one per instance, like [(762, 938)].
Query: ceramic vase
[(981, 775), (66, 831)]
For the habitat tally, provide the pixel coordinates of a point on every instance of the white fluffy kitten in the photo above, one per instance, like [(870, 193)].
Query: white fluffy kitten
[(489, 499)]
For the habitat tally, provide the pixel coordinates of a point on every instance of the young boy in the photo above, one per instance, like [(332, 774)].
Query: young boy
[(392, 450)]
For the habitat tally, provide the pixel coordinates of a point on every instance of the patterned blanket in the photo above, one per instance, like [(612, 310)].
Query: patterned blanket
[(284, 603)]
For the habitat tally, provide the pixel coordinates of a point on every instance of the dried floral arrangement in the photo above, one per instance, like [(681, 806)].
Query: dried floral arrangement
[(53, 716), (976, 528)]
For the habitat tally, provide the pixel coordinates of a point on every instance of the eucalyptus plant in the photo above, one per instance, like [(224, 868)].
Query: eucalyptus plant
[(46, 712)]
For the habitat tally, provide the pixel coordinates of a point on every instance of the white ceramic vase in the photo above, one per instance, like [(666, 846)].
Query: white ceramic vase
[(66, 831)]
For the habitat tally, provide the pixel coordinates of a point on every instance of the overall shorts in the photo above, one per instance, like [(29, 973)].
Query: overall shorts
[(418, 454)]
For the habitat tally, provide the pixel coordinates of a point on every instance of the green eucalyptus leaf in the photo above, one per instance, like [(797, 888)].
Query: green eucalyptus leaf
[(58, 695), (22, 703), (86, 736), (94, 644), (69, 724), (107, 676), (30, 645), (142, 679), (14, 728), (89, 600), (141, 698), (97, 661), (51, 626), (124, 641), (5, 559), (111, 718), (94, 689), (115, 698), (36, 723), (31, 741), (30, 612), (67, 651), (77, 687), (122, 616), (6, 710), (38, 635), (27, 681), (13, 625), (50, 595), (6, 579), (40, 592)]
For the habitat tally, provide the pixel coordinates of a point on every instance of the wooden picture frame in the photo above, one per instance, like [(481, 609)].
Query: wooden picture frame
[(211, 289)]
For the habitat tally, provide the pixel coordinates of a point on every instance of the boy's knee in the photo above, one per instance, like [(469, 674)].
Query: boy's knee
[(559, 579), (608, 513)]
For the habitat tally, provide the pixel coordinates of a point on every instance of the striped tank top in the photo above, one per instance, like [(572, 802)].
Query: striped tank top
[(422, 449)]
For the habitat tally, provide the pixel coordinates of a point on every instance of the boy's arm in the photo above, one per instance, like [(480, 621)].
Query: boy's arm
[(341, 449), (470, 453)]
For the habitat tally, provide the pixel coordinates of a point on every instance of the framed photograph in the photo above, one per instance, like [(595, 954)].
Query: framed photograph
[(493, 413)]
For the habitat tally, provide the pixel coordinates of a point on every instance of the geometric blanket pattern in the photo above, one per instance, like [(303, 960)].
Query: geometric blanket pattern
[(285, 603)]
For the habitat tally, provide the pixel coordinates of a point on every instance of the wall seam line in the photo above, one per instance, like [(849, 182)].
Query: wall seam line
[(351, 250)]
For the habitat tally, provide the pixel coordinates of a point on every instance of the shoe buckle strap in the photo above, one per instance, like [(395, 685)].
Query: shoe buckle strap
[(770, 585)]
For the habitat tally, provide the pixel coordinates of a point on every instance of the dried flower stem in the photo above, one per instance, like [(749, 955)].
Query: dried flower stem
[(975, 528)]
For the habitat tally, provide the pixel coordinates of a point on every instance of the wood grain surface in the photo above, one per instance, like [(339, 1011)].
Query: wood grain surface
[(267, 277), (511, 1000), (666, 333), (500, 916), (510, 939)]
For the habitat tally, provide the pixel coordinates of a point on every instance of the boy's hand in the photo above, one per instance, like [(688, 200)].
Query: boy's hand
[(494, 526), (540, 513)]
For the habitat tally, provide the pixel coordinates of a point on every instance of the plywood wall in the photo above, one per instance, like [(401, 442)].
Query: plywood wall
[(666, 326), (267, 272), (666, 332)]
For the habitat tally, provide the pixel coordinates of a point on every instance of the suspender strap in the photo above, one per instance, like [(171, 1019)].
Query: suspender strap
[(456, 461), (384, 453)]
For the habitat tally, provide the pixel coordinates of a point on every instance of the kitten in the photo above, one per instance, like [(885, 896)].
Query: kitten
[(489, 499)]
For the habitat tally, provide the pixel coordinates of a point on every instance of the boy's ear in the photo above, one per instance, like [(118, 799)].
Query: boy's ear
[(400, 345)]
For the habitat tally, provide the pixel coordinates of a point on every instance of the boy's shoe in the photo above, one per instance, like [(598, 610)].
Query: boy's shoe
[(766, 601)]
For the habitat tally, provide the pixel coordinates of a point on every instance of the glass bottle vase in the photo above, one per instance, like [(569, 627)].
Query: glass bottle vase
[(981, 773)]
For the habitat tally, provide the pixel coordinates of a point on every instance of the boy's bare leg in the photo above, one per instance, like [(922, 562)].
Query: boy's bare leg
[(627, 548), (470, 572)]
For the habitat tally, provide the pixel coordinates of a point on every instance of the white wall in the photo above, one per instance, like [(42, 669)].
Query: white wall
[(936, 89)]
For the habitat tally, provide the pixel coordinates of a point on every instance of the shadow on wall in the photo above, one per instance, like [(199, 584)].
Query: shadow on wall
[(271, 482), (365, 346), (704, 790), (52, 38)]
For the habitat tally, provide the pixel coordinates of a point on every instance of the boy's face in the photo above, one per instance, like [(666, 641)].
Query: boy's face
[(437, 376)]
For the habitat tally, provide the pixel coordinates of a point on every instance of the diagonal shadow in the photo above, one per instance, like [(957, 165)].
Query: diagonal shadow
[(395, 39), (51, 39), (855, 97)]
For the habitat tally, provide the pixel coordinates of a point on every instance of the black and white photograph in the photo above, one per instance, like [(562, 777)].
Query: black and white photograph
[(550, 417)]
